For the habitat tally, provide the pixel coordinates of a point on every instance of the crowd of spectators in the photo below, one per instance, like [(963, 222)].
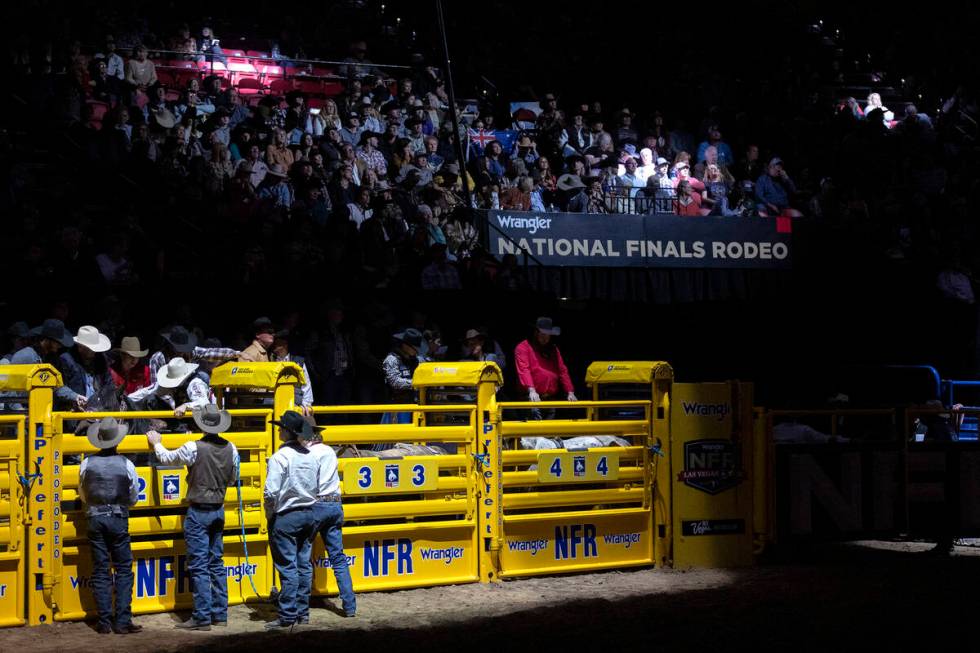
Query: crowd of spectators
[(129, 180)]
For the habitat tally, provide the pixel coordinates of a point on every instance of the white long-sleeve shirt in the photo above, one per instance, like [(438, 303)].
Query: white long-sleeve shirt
[(134, 481), (292, 479), (185, 454), (198, 394), (328, 478)]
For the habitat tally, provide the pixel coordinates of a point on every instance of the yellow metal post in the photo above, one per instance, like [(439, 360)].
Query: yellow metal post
[(489, 474), (42, 523)]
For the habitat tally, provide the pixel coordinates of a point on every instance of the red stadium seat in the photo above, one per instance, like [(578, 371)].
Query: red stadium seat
[(282, 86), (322, 72), (332, 88), (172, 96), (270, 71), (257, 53), (250, 86), (316, 103), (308, 86), (253, 100), (235, 53)]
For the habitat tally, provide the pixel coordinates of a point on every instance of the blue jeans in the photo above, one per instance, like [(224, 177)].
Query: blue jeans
[(329, 521), (203, 534), (108, 537), (292, 542)]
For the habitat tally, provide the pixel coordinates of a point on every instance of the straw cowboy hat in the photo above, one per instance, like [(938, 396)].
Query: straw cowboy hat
[(106, 433), (277, 170), (131, 345), (89, 336), (174, 373), (211, 419)]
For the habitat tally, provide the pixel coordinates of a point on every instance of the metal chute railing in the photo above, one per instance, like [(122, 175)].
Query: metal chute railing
[(156, 521), (576, 508)]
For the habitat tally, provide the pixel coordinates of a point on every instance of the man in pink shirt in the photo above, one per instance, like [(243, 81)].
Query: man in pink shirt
[(540, 368)]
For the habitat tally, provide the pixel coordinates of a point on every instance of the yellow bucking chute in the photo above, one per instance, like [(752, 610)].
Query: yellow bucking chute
[(628, 372)]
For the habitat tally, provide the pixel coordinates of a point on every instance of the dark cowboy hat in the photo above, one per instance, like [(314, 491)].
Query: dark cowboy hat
[(411, 337), (182, 340), (297, 425), (55, 330), (365, 135), (546, 325)]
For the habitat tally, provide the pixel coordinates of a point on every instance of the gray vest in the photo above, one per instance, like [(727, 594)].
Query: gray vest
[(106, 482), (212, 472)]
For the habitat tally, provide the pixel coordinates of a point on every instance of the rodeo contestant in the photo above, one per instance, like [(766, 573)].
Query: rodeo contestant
[(329, 514), (108, 485), (212, 462), (291, 486)]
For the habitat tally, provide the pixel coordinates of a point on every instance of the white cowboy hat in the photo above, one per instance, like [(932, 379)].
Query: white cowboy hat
[(174, 373), (89, 336), (106, 433)]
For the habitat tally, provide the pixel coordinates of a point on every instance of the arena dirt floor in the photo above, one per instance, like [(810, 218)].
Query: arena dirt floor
[(861, 596)]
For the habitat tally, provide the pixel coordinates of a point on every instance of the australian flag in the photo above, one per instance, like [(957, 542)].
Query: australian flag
[(480, 138)]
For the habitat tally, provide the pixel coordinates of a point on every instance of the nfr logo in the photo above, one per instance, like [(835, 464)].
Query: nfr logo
[(575, 541), (171, 487), (378, 556), (391, 476), (711, 466)]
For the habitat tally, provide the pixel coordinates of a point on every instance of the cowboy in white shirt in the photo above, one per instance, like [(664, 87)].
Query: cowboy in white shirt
[(178, 386), (290, 493)]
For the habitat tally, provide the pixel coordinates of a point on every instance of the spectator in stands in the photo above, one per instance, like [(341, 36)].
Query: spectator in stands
[(684, 174), (749, 167), (130, 371), (688, 201), (440, 274), (256, 167), (141, 74), (219, 171), (276, 191), (747, 205), (541, 371), (304, 150), (518, 198), (115, 266), (773, 191), (115, 66), (493, 162), (278, 152), (211, 51), (104, 87), (360, 210), (351, 133), (368, 155), (579, 135), (647, 167), (625, 132), (725, 156), (185, 44), (475, 348), (416, 136), (18, 337), (716, 188), (357, 65), (222, 128), (600, 155)]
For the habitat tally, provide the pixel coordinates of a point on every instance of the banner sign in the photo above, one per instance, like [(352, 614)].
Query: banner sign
[(653, 241)]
